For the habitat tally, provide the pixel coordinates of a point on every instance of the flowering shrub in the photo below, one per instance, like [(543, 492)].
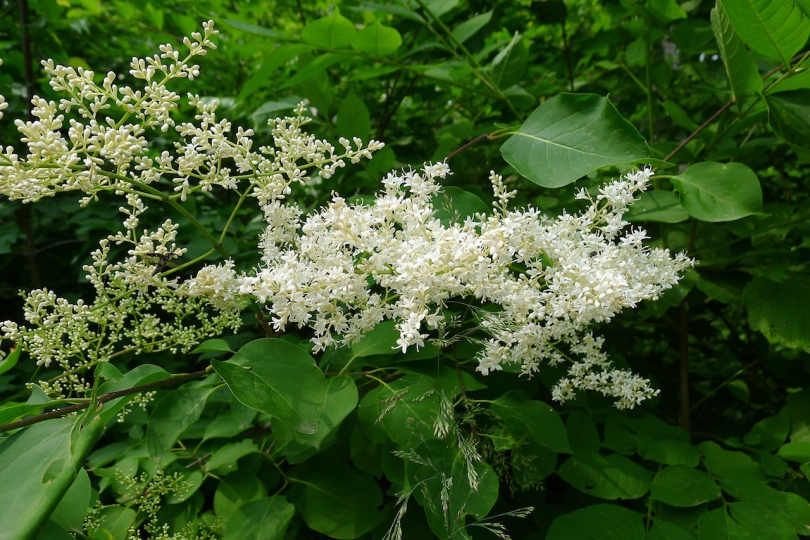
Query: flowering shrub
[(341, 271), (382, 318)]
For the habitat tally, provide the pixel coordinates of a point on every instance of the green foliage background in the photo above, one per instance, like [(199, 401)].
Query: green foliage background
[(720, 95)]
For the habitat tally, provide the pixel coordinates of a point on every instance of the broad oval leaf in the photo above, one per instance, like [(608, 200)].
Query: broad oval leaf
[(341, 503), (470, 27), (278, 378), (172, 416), (683, 486), (598, 522), (776, 29), (331, 32), (377, 40), (780, 310), (543, 425), (607, 477), (716, 192), (570, 136), (662, 206), (262, 519), (789, 115)]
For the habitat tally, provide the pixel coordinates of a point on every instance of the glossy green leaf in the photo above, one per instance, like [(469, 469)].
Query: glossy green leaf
[(472, 26), (571, 135), (262, 519), (598, 522), (789, 115), (662, 530), (743, 75), (353, 118), (719, 192), (661, 206), (172, 416), (679, 485), (278, 378), (331, 32), (776, 29), (606, 477), (377, 40), (770, 432), (544, 426), (341, 503), (780, 310)]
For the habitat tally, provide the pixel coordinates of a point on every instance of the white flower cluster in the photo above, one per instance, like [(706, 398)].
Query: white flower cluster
[(340, 270), (354, 265)]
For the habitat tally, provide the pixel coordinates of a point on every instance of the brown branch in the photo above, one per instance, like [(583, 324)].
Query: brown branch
[(56, 413), (467, 145)]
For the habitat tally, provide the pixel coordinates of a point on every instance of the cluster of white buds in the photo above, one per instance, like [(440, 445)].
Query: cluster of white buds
[(339, 270)]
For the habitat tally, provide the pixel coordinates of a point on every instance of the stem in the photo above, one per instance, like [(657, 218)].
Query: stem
[(64, 411), (457, 151)]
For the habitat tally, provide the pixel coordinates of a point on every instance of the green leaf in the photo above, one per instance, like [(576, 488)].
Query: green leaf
[(454, 205), (353, 118), (672, 452), (341, 400), (582, 433), (776, 29), (212, 345), (341, 503), (743, 75), (665, 11), (10, 360), (739, 389), (795, 451), (252, 28), (570, 136), (789, 115), (781, 311), (235, 490), (470, 27), (38, 465), (278, 378), (508, 66), (227, 456), (770, 433), (262, 519), (313, 69), (718, 525), (661, 206), (377, 40), (70, 511), (172, 416), (719, 192), (331, 32), (761, 521), (679, 485), (543, 423), (445, 471), (262, 76), (139, 375), (662, 530), (608, 477), (598, 522)]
